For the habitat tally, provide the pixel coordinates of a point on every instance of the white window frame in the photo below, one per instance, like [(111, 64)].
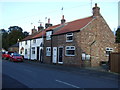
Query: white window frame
[(33, 50), (34, 40), (25, 42), (48, 51), (48, 35), (108, 50), (69, 35), (69, 48)]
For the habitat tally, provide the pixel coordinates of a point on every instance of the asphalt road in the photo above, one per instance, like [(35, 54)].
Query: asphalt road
[(26, 75)]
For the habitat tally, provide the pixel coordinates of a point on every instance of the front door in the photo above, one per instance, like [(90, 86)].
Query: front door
[(41, 55), (54, 55), (60, 54), (37, 53)]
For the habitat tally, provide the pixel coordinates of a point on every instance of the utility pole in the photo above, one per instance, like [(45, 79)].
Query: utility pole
[(42, 41)]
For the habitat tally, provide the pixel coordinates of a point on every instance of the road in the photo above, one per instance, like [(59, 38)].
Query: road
[(26, 75)]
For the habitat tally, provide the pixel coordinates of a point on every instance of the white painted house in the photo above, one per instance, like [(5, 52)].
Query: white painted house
[(31, 47)]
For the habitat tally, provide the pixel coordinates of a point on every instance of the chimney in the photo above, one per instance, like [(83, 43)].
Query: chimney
[(63, 20), (96, 10), (34, 30), (48, 24), (40, 28)]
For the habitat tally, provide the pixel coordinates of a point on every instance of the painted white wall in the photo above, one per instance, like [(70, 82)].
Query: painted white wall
[(25, 46), (37, 44)]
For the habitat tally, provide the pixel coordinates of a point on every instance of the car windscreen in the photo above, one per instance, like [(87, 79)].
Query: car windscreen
[(16, 54)]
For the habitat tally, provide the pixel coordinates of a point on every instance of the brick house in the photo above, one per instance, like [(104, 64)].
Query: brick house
[(82, 42)]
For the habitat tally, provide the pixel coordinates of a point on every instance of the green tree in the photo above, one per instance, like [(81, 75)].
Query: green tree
[(11, 36), (118, 35)]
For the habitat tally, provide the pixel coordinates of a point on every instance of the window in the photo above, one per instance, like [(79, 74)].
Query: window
[(33, 50), (25, 51), (48, 35), (48, 51), (69, 37), (70, 50), (108, 51), (34, 40), (25, 42)]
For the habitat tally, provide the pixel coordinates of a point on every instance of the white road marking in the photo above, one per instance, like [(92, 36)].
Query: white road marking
[(67, 84), (27, 70)]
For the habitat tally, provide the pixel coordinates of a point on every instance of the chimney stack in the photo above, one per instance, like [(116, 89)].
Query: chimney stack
[(96, 10), (34, 30), (40, 28), (63, 20), (48, 24)]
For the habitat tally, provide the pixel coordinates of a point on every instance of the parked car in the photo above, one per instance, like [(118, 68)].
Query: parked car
[(16, 57), (3, 54), (7, 54)]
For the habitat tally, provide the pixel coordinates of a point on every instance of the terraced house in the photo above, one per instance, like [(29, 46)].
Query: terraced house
[(82, 42)]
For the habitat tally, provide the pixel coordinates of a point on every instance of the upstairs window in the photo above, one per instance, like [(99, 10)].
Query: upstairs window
[(34, 40), (69, 37), (108, 51), (70, 50), (48, 35), (48, 51), (25, 42)]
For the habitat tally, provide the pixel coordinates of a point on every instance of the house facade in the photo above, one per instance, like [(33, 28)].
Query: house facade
[(83, 42), (31, 46)]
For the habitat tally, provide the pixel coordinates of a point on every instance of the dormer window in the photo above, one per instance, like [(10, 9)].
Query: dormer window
[(48, 35), (69, 37)]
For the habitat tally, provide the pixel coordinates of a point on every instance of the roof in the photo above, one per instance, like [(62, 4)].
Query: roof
[(29, 37), (52, 27), (74, 25), (15, 45)]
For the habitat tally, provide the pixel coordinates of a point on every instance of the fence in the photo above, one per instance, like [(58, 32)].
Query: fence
[(114, 62)]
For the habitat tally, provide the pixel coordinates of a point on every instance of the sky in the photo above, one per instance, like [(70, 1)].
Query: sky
[(28, 13)]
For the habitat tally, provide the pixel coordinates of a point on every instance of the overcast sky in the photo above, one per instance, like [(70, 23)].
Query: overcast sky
[(23, 13)]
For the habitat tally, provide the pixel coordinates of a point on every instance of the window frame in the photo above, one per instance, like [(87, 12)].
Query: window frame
[(48, 51), (34, 40), (25, 51), (70, 48), (33, 50), (25, 42), (68, 35), (48, 35)]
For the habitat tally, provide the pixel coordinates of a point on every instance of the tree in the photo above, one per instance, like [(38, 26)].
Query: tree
[(118, 35), (11, 37)]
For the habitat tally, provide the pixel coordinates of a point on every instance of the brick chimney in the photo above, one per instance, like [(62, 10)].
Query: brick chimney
[(63, 20), (96, 10), (48, 24), (34, 30), (40, 28)]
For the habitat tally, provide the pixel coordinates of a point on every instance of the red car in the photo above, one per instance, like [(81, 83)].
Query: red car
[(6, 55), (3, 55), (16, 57)]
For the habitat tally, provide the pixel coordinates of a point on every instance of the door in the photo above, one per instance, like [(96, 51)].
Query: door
[(60, 54), (54, 55), (37, 53), (41, 55)]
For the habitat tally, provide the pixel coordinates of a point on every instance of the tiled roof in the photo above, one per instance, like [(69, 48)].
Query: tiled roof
[(29, 37), (52, 27), (74, 25), (39, 34)]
